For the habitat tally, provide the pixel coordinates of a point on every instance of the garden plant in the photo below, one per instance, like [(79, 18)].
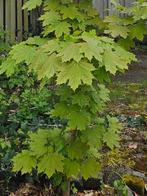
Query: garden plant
[(54, 89)]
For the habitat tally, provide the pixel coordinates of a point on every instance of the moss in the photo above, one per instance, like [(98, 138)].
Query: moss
[(135, 183)]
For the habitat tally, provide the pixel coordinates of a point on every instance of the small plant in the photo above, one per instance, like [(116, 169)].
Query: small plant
[(121, 187), (4, 47)]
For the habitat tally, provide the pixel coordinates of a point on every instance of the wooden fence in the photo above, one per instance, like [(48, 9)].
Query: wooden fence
[(105, 8), (18, 23)]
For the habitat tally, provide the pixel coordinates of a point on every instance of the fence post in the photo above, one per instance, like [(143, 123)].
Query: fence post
[(129, 2), (1, 14), (13, 21), (26, 22), (8, 19), (19, 20), (99, 5)]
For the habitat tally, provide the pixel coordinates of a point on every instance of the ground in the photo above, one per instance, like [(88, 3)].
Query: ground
[(129, 104), (137, 71)]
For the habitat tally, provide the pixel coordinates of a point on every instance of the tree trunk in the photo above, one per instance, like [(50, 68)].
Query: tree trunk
[(67, 192)]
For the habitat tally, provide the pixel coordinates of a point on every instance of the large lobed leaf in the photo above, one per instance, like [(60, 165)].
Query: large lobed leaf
[(31, 4)]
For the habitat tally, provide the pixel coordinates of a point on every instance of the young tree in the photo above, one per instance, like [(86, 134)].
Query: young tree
[(75, 55)]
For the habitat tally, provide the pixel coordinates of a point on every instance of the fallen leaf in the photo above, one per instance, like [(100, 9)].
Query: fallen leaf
[(133, 145)]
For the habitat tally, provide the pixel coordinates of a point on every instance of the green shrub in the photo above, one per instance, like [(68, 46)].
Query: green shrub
[(24, 106)]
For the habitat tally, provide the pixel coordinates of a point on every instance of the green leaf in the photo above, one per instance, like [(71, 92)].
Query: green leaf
[(113, 19), (93, 136), (117, 26), (64, 92), (60, 110), (51, 163), (8, 66), (117, 30), (52, 5), (114, 124), (126, 56), (77, 150), (111, 138), (103, 93), (80, 99), (71, 51), (92, 47), (51, 46), (50, 17), (71, 168), (24, 162), (92, 50), (36, 40), (22, 53), (39, 141), (138, 31), (113, 62), (31, 4), (70, 12), (90, 168), (59, 28), (57, 179), (94, 152), (78, 119), (45, 65), (102, 75), (92, 12), (75, 74), (127, 43)]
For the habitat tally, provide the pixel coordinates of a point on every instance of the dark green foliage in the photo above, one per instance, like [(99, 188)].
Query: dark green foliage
[(24, 106)]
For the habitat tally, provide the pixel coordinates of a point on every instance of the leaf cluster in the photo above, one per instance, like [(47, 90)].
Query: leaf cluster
[(129, 24), (51, 151)]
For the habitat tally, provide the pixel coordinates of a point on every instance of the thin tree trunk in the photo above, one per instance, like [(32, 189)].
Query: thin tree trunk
[(67, 192)]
